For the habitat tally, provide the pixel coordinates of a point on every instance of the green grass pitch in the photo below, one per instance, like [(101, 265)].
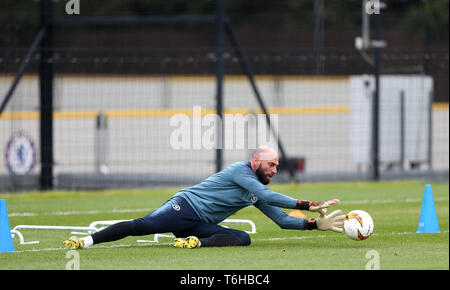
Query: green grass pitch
[(394, 206)]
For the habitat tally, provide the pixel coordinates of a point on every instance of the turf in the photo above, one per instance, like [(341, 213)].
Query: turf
[(394, 206)]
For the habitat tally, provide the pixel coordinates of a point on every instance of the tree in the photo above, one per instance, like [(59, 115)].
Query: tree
[(429, 19)]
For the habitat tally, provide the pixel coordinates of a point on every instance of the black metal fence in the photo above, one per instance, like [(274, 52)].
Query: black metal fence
[(102, 103)]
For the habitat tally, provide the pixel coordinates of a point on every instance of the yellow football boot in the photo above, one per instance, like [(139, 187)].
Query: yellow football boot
[(74, 243), (189, 242)]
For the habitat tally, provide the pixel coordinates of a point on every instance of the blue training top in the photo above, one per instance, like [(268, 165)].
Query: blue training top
[(236, 187)]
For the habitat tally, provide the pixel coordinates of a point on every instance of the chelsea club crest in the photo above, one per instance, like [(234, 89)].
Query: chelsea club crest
[(20, 154)]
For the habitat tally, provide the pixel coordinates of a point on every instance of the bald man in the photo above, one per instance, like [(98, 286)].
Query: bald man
[(193, 213)]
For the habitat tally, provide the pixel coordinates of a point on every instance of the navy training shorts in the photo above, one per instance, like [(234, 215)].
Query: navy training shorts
[(178, 217)]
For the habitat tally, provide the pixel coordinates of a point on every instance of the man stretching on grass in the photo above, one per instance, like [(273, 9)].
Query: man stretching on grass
[(193, 214)]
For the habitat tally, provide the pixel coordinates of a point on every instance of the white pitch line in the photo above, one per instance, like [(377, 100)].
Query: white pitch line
[(260, 240), (95, 247), (407, 200), (148, 210), (88, 212), (341, 236)]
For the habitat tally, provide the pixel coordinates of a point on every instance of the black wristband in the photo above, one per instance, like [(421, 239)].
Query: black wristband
[(303, 205), (310, 224)]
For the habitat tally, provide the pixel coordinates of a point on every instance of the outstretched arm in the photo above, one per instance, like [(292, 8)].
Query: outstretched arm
[(248, 180), (284, 221), (332, 222)]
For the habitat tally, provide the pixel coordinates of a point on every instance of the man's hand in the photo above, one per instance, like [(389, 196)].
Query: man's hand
[(318, 206), (331, 222)]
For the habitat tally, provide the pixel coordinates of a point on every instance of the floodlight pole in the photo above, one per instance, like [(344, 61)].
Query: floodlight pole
[(23, 67), (219, 80), (249, 73), (318, 39), (376, 107), (46, 96), (362, 44)]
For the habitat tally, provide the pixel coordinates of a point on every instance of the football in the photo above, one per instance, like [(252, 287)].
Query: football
[(358, 225)]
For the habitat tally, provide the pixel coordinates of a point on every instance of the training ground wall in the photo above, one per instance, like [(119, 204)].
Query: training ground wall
[(315, 120)]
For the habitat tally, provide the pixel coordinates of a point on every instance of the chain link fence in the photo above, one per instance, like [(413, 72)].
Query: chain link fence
[(134, 107)]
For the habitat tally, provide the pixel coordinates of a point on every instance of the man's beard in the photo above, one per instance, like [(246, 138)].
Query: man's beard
[(261, 176)]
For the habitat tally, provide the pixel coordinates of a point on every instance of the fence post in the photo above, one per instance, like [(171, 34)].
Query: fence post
[(430, 131), (376, 105), (220, 15), (101, 144), (46, 97), (402, 130)]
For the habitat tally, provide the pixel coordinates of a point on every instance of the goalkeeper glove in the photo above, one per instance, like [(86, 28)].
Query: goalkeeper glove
[(331, 222), (316, 206)]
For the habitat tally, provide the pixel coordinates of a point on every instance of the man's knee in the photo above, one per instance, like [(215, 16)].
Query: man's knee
[(228, 238), (244, 238)]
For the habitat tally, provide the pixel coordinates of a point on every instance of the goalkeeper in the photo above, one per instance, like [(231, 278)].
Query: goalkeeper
[(193, 213)]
